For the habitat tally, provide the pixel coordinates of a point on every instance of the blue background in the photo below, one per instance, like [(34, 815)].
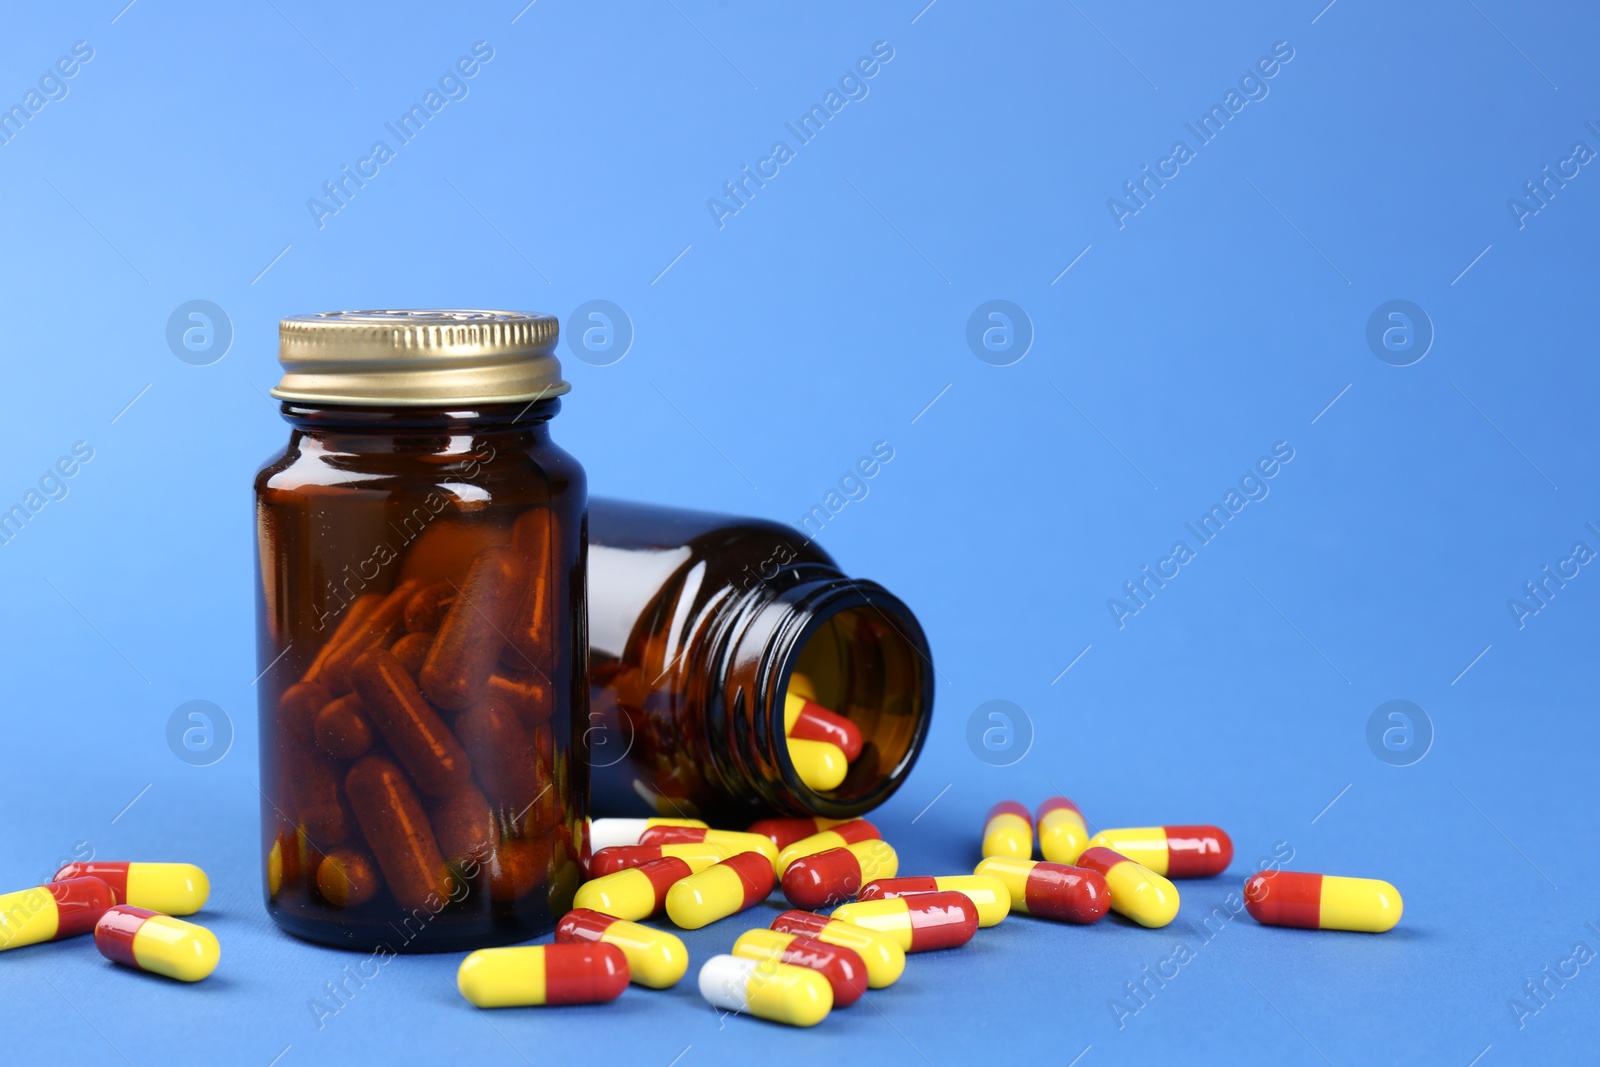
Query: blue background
[(829, 313)]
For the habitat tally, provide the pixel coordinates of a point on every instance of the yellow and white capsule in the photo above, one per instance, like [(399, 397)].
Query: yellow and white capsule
[(160, 944), (820, 765), (766, 989), (170, 888), (1137, 892)]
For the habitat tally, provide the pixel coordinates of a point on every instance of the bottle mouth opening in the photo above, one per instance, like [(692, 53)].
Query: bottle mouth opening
[(862, 656)]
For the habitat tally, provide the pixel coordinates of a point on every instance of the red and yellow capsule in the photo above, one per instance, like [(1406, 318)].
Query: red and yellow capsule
[(638, 892), (721, 890), (1137, 892), (845, 833), (623, 857), (1008, 831), (785, 832), (806, 720), (532, 975), (989, 895), (1063, 835), (160, 944), (918, 923), (802, 685), (824, 879), (52, 911), (655, 958), (609, 833), (821, 765), (1173, 851), (173, 888), (734, 841), (842, 967), (1051, 890), (1323, 901), (884, 958)]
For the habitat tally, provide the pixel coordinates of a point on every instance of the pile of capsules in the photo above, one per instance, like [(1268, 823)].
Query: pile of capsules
[(130, 908), (423, 713), (1130, 871), (808, 963)]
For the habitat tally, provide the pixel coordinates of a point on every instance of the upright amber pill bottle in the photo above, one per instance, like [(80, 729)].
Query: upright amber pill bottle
[(421, 633), (700, 625)]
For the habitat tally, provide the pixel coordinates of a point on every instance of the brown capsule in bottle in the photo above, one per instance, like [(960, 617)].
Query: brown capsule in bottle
[(516, 868), (427, 607), (383, 626), (318, 804), (347, 877), (472, 633), (507, 758), (412, 651), (436, 554), (529, 695), (354, 617), (397, 830), (342, 728), (298, 708), (464, 825), (420, 739), (530, 626)]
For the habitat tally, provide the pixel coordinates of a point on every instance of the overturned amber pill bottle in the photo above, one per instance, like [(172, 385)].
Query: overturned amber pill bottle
[(707, 635), (421, 633)]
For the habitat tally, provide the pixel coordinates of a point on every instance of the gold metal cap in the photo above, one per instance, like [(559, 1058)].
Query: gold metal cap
[(427, 357)]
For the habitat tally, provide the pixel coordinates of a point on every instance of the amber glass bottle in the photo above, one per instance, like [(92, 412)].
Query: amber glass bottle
[(697, 623), (421, 634)]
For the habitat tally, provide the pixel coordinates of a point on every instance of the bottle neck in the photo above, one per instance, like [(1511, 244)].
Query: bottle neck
[(867, 659), (361, 428)]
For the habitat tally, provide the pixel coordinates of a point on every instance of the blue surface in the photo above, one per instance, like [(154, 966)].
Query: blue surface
[(830, 312)]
